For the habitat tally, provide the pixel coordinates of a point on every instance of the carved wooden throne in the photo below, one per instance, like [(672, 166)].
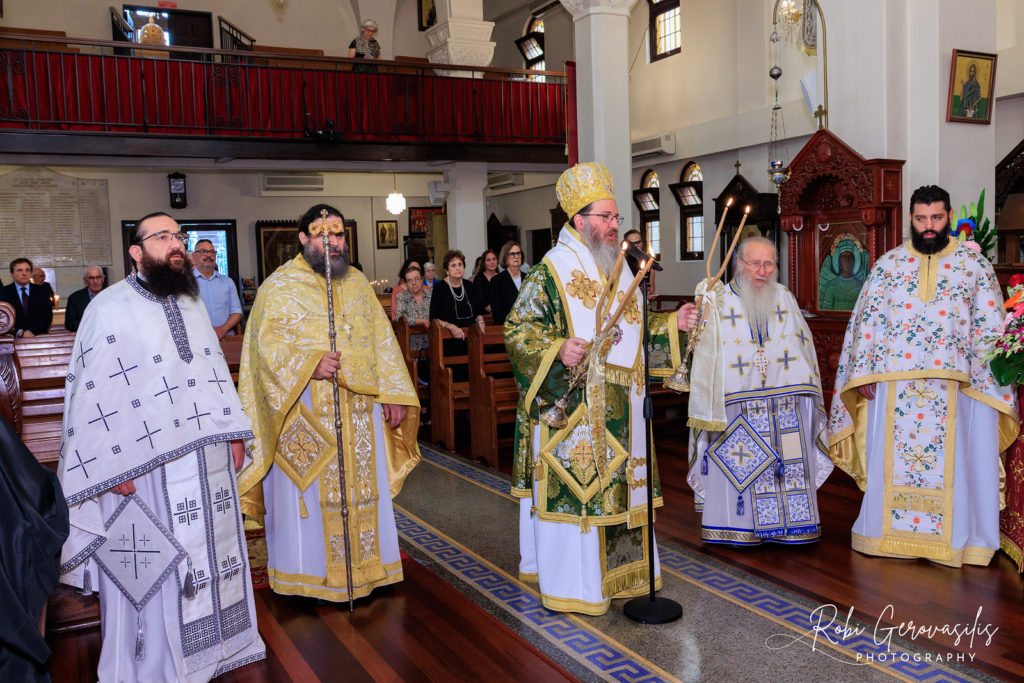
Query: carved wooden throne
[(836, 201)]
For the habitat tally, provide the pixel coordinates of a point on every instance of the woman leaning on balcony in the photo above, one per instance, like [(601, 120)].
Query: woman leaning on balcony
[(365, 46)]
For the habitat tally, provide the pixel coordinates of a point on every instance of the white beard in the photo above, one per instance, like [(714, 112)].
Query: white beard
[(605, 253), (758, 303)]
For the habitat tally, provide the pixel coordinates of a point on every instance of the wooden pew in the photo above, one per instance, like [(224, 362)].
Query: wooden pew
[(403, 330), (447, 397), (493, 388), (42, 367)]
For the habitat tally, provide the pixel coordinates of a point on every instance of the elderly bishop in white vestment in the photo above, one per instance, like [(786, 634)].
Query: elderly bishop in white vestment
[(755, 473), (149, 399)]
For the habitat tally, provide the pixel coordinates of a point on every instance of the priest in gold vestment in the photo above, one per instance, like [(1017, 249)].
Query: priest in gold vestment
[(918, 420), (293, 483)]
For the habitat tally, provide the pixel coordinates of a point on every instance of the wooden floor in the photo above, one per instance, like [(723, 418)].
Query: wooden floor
[(425, 630), (420, 630)]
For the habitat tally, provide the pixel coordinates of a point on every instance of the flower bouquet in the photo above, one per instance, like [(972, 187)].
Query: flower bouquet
[(1007, 355)]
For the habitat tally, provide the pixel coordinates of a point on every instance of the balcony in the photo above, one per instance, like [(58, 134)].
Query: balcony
[(71, 96)]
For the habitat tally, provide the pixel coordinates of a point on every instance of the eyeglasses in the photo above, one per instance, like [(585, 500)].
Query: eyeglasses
[(205, 251), (768, 266), (607, 217), (516, 253), (165, 236), (93, 277)]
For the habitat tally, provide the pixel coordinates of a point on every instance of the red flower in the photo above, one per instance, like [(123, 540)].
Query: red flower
[(947, 266), (938, 362), (920, 416), (867, 335), (907, 306), (917, 520), (907, 356), (1017, 279)]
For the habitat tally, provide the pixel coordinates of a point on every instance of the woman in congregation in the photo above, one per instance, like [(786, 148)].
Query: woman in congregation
[(451, 300), (429, 275), (365, 46), (414, 306), (486, 270), (504, 287), (400, 287)]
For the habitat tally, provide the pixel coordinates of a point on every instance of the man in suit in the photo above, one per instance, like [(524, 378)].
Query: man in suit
[(33, 310), (94, 280)]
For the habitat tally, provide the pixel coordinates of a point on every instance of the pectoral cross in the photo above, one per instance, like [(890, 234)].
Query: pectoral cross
[(761, 363), (345, 327)]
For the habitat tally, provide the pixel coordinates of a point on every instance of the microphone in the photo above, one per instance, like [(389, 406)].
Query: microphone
[(641, 255)]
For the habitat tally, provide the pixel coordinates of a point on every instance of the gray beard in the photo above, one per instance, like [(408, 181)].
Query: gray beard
[(315, 258), (604, 252), (758, 303)]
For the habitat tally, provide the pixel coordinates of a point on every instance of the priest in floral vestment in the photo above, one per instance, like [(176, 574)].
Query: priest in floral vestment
[(293, 483), (583, 488), (756, 472), (918, 420), (152, 436)]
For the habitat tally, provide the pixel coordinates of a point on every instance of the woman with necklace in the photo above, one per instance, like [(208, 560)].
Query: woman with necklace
[(505, 285), (452, 299)]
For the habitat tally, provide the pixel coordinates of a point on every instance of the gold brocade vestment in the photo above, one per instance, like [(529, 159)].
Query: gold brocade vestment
[(287, 335)]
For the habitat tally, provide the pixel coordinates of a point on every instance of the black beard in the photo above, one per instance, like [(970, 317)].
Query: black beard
[(315, 258), (165, 280), (930, 245)]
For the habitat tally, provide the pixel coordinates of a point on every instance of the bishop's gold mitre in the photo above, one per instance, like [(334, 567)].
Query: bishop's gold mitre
[(583, 184)]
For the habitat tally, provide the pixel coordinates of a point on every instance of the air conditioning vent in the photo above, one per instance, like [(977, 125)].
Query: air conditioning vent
[(663, 145), (294, 183), (501, 181)]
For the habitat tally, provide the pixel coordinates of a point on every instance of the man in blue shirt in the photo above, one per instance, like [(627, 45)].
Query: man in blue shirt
[(77, 302), (217, 291)]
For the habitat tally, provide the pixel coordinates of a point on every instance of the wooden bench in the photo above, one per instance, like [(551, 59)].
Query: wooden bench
[(447, 397), (494, 391), (291, 57), (403, 331), (42, 367)]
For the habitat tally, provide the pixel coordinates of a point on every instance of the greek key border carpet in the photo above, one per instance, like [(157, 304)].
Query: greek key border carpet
[(459, 521)]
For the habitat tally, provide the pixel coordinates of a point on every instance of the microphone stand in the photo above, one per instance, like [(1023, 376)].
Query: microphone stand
[(650, 609)]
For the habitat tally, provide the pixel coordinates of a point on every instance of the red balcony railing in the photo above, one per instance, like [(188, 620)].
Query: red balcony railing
[(100, 86)]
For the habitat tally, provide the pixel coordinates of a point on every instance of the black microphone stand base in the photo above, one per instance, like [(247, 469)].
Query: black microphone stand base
[(652, 611)]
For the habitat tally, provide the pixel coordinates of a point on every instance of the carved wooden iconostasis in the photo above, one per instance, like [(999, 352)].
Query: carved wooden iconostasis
[(840, 212), (763, 220)]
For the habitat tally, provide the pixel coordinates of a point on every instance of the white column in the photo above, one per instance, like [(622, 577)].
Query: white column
[(602, 88), (460, 36), (467, 210)]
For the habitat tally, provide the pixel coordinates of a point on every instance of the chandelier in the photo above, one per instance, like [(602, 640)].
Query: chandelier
[(395, 202)]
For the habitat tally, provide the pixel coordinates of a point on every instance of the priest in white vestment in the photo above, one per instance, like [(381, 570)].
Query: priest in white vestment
[(293, 483), (918, 419), (583, 488), (755, 475), (152, 436)]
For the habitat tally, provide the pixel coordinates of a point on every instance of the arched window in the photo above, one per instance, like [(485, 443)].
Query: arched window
[(665, 32), (647, 200), (689, 194), (531, 46)]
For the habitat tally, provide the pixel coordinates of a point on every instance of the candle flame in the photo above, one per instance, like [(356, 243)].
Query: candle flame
[(728, 202), (746, 209), (624, 245)]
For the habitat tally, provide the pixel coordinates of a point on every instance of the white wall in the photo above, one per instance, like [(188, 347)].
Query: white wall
[(528, 209), (236, 195), (510, 25)]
